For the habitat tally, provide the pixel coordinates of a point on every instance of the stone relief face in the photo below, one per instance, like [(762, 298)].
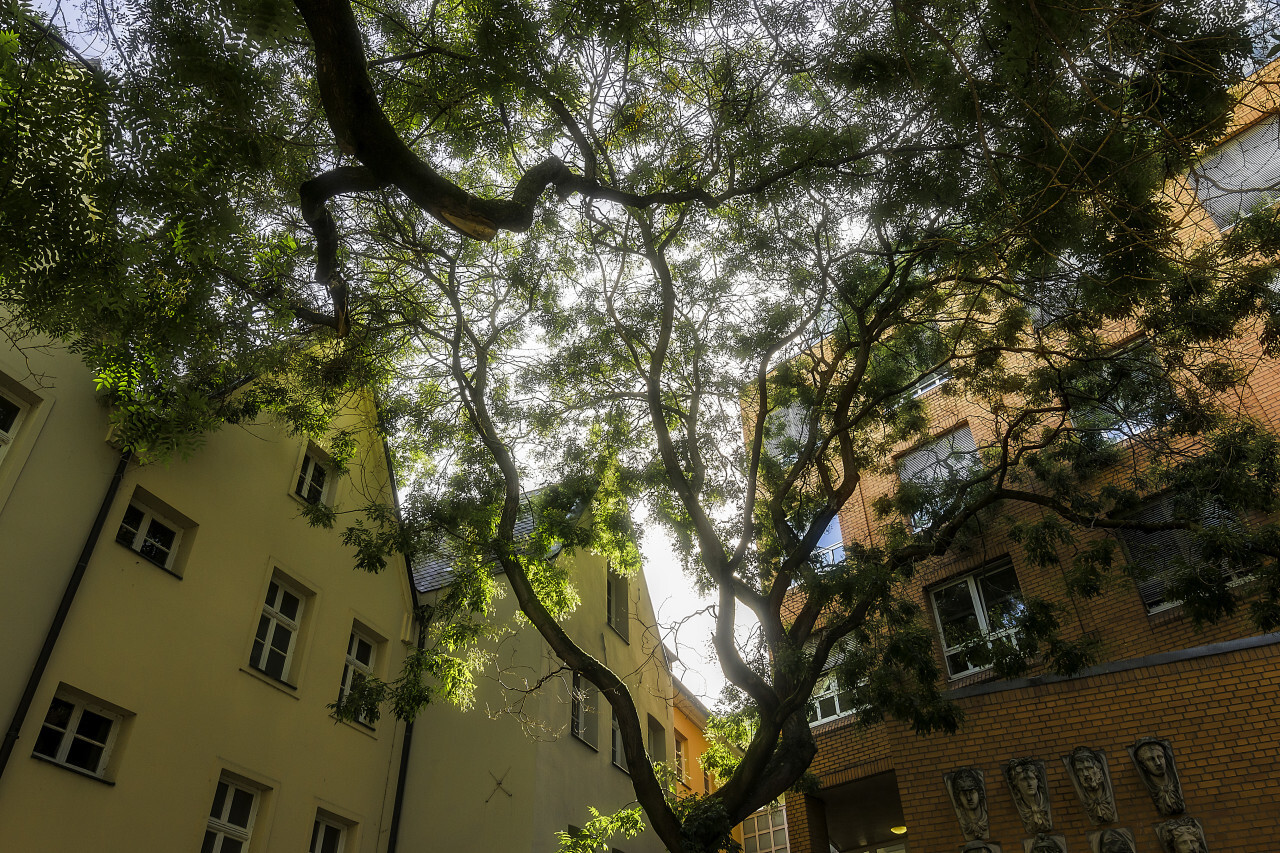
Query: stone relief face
[(1114, 841), (1026, 778), (1088, 771), (1151, 757), (1182, 835), (1045, 844), (1154, 761), (968, 797)]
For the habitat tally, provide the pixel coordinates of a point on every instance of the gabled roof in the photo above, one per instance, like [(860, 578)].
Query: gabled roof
[(435, 571)]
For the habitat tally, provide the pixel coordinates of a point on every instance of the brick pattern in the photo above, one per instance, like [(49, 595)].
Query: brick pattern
[(1221, 713)]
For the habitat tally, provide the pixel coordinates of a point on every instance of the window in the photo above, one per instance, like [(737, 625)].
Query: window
[(150, 534), (974, 610), (1120, 399), (830, 700), (77, 733), (312, 478), (706, 781), (786, 431), (1162, 554), (359, 665), (327, 835), (830, 548), (231, 818), (929, 381), (682, 758), (939, 464), (657, 740), (618, 604), (277, 634), (616, 752), (765, 831), (1242, 174), (584, 705), (12, 411)]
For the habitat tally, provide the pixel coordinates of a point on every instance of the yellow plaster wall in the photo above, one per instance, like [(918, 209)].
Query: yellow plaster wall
[(174, 652), (552, 776)]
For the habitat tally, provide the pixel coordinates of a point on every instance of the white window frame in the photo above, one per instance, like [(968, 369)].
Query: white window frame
[(829, 555), (220, 825), (313, 460), (353, 665), (682, 758), (584, 711), (970, 581), (70, 734), (617, 753), (276, 619), (829, 687), (928, 382), (322, 822), (7, 436), (142, 536), (775, 817), (955, 452)]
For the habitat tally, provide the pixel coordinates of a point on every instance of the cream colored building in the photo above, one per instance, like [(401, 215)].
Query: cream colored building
[(524, 763), (184, 702)]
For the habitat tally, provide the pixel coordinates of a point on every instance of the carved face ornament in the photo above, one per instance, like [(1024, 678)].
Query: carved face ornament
[(968, 794), (1088, 771), (1186, 840), (1028, 781), (1151, 756), (1114, 842)]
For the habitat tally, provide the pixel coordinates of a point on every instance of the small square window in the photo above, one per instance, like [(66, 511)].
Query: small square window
[(275, 641), (362, 650), (150, 534), (313, 478), (328, 835), (230, 825), (77, 733)]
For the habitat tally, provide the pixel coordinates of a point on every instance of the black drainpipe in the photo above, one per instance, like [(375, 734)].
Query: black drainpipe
[(60, 617), (393, 834)]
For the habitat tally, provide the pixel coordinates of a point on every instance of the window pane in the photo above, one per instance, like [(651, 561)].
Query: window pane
[(230, 845), (94, 727), (274, 666), (1002, 597), (280, 638), (289, 604), (129, 526), (159, 542), (779, 838), (332, 835), (956, 614), (59, 713), (751, 844), (8, 413), (241, 806), (364, 652), (219, 799), (47, 742), (84, 755), (210, 839)]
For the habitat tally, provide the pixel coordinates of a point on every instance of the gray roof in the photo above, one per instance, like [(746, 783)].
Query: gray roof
[(435, 571)]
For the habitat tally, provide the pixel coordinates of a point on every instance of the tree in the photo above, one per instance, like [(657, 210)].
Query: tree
[(800, 212)]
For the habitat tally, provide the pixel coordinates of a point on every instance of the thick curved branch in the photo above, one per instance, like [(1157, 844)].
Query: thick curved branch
[(315, 193)]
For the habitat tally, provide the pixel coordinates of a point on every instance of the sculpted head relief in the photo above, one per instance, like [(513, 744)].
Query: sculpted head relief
[(1154, 759), (1026, 778), (969, 798), (1088, 770)]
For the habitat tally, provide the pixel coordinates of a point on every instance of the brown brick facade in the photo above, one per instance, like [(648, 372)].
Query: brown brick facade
[(1220, 710)]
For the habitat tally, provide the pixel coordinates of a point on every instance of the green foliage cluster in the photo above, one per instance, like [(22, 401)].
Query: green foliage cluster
[(770, 226)]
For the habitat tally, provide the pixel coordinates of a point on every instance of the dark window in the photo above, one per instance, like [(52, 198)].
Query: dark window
[(618, 604), (584, 708), (1161, 555), (311, 480)]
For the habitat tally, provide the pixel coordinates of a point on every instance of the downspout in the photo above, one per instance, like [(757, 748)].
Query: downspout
[(60, 617), (393, 834)]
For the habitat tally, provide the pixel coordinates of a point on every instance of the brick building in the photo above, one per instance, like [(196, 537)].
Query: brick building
[(1210, 693)]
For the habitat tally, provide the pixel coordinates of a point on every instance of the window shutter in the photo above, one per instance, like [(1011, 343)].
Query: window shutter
[(954, 453), (1241, 174)]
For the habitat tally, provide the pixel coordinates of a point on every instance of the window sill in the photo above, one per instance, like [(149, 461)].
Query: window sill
[(584, 742), (284, 687), (621, 769), (364, 728), (145, 559), (73, 769)]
